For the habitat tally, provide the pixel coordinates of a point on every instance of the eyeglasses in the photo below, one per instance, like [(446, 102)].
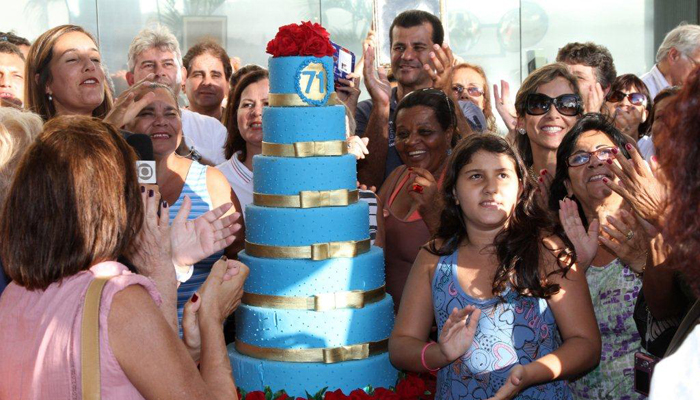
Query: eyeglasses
[(472, 91), (583, 158), (567, 104), (637, 99)]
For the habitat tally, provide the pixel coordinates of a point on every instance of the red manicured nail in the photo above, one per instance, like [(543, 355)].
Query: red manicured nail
[(605, 180), (608, 161), (654, 159), (540, 179), (195, 298), (417, 188), (628, 146), (543, 172), (151, 193), (143, 189), (615, 150)]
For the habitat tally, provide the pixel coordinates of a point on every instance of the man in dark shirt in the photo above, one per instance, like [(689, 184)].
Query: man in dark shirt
[(412, 36)]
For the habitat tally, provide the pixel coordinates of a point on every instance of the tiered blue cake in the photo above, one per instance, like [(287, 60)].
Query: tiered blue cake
[(315, 313)]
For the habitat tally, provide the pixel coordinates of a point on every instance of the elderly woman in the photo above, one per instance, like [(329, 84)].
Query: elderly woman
[(243, 121), (613, 270), (17, 130), (182, 182), (53, 257), (629, 104), (548, 105), (426, 131), (469, 83)]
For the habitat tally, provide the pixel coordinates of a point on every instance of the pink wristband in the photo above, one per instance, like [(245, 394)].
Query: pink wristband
[(422, 357)]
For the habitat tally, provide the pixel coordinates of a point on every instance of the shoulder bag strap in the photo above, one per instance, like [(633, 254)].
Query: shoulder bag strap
[(691, 319), (90, 340)]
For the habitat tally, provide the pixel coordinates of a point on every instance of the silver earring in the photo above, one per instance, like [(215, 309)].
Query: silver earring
[(50, 97), (521, 131)]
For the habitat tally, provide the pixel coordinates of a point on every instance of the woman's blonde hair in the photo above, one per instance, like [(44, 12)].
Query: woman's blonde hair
[(17, 130), (488, 110), (38, 65)]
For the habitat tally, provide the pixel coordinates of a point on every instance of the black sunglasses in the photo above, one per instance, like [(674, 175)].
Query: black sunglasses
[(567, 104), (637, 99)]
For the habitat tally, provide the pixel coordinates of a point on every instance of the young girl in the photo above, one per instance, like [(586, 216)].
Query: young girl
[(512, 320)]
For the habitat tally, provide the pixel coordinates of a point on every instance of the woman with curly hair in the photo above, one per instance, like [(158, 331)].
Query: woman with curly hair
[(514, 320), (469, 83)]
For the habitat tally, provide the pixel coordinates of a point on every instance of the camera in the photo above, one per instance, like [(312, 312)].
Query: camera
[(643, 369), (146, 171)]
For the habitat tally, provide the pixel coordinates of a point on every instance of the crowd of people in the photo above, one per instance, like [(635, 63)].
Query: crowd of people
[(543, 262)]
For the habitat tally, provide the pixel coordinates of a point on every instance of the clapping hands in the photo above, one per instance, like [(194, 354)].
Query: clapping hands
[(458, 332), (585, 242)]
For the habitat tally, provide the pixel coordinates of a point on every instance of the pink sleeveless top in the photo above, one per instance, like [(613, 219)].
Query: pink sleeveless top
[(40, 337)]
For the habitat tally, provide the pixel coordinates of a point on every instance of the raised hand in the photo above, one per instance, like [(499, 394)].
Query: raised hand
[(128, 105), (544, 182), (626, 241), (348, 91), (376, 82), (195, 240), (513, 385), (585, 242), (458, 332), (151, 252), (423, 189), (595, 98), (440, 67), (221, 295), (504, 105), (357, 146), (639, 185)]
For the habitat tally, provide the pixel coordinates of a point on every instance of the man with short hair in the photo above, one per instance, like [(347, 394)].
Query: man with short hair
[(678, 54), (593, 66), (11, 75), (21, 43), (208, 73), (412, 36), (156, 51)]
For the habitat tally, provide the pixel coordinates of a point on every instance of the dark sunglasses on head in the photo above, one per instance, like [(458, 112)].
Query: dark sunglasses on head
[(578, 159), (566, 104), (638, 99), (472, 91)]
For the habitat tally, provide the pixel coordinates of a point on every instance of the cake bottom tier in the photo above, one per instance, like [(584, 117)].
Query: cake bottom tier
[(297, 379)]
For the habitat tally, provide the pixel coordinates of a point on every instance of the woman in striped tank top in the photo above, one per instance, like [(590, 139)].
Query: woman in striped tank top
[(513, 321), (179, 177)]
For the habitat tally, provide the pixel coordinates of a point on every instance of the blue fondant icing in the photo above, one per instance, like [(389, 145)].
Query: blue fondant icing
[(283, 72), (303, 124), (289, 176), (297, 378), (302, 329), (302, 278), (303, 227)]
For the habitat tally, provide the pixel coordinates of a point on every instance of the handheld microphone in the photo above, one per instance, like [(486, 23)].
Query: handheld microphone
[(146, 164)]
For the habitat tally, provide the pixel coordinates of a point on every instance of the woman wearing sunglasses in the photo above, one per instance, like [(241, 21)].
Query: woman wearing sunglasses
[(613, 260), (629, 104), (547, 105), (469, 83)]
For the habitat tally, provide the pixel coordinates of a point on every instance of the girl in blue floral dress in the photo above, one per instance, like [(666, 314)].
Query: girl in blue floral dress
[(513, 320)]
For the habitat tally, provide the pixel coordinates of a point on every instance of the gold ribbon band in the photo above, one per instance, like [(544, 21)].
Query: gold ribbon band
[(317, 251), (294, 100), (327, 355), (319, 302), (305, 149), (308, 199)]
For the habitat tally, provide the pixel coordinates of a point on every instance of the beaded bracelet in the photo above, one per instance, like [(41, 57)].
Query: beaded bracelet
[(422, 357)]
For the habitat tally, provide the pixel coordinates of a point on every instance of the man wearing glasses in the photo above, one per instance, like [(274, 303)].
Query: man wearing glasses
[(677, 56)]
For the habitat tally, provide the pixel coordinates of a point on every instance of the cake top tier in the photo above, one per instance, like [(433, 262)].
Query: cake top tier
[(301, 67)]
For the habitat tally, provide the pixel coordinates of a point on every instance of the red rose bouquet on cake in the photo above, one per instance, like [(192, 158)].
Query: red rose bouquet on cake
[(305, 39)]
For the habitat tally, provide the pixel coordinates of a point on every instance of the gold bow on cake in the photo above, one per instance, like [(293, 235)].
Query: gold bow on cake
[(319, 302), (328, 355), (308, 199), (305, 149), (316, 251)]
